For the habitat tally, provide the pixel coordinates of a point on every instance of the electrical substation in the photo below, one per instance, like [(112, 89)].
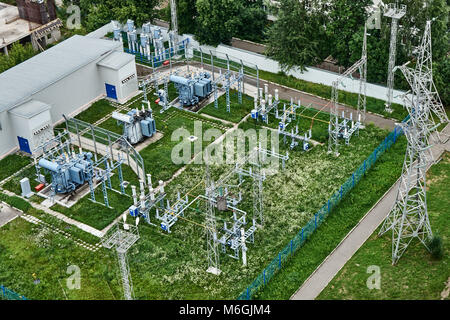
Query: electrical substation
[(102, 123)]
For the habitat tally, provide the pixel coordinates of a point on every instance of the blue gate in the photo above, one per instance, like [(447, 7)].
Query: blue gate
[(111, 91), (23, 145)]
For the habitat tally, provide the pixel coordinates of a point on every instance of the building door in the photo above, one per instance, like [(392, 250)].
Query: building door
[(111, 91), (24, 145)]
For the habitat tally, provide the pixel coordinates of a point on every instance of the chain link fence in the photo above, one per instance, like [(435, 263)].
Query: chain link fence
[(297, 242)]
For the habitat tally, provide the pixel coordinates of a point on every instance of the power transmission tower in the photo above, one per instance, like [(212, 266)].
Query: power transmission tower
[(395, 12), (173, 12), (211, 234), (122, 236), (408, 219)]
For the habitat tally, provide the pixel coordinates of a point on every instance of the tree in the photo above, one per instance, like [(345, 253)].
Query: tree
[(97, 13), (187, 15), (219, 20), (253, 21), (347, 17), (18, 54), (298, 37)]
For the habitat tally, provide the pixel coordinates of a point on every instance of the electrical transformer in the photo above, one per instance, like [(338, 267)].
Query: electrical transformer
[(68, 171), (136, 124), (192, 89)]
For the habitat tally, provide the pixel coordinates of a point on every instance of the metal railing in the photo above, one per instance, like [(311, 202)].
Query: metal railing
[(8, 294)]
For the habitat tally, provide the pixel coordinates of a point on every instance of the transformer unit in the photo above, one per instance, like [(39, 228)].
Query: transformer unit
[(191, 90), (68, 171), (136, 124)]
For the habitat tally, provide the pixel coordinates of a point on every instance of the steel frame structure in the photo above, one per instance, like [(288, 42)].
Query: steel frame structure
[(395, 12), (122, 237), (408, 219), (335, 128)]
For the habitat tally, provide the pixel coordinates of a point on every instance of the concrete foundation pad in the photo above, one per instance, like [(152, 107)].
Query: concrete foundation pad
[(7, 215)]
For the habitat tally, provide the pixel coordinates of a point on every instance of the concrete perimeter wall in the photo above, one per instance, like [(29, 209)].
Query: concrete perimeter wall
[(249, 58)]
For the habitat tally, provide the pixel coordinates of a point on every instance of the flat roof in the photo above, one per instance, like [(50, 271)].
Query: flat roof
[(116, 60), (16, 29), (19, 83), (29, 109)]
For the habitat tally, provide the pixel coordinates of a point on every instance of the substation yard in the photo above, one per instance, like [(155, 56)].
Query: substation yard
[(173, 265)]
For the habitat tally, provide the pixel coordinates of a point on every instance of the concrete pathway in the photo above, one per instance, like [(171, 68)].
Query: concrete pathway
[(328, 269), (7, 214)]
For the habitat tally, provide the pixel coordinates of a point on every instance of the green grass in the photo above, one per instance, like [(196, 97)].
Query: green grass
[(27, 249), (96, 111), (352, 208), (417, 275), (11, 164), (238, 110)]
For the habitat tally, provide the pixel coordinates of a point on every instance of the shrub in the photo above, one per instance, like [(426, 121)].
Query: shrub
[(436, 248)]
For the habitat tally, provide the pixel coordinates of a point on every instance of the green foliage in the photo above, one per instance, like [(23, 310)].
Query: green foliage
[(297, 38), (347, 18), (15, 202), (219, 20), (436, 247), (97, 13), (17, 54), (187, 15)]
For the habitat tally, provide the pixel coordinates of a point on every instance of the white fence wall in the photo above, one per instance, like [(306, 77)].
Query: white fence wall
[(312, 74)]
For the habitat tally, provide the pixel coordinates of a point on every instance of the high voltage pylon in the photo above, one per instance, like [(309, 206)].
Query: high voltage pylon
[(173, 12), (335, 128), (395, 12), (123, 236), (211, 233), (408, 219)]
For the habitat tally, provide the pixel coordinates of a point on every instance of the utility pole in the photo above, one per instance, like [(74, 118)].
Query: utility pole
[(211, 234), (395, 12), (173, 12), (408, 219)]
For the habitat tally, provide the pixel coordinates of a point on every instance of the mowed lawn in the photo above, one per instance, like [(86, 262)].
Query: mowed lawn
[(417, 275)]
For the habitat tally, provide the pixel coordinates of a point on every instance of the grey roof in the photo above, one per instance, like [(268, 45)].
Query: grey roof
[(20, 82), (29, 109), (116, 60)]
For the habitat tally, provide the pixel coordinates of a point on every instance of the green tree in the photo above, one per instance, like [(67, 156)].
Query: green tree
[(219, 20), (17, 54), (347, 17), (298, 37), (187, 15)]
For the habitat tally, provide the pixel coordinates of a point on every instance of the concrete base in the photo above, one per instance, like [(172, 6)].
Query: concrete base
[(213, 271)]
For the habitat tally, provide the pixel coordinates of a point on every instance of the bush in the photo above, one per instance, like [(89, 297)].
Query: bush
[(436, 248)]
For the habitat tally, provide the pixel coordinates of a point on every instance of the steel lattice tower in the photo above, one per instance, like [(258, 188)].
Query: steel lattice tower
[(123, 236), (408, 219), (334, 126), (173, 12), (396, 12), (211, 234), (258, 207)]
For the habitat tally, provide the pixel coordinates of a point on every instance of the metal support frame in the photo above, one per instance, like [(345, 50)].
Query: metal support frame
[(408, 218), (395, 12), (334, 128)]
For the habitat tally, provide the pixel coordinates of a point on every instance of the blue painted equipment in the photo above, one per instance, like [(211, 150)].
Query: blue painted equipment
[(136, 124), (68, 171), (192, 89)]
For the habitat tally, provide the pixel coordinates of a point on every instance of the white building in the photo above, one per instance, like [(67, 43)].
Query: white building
[(64, 79)]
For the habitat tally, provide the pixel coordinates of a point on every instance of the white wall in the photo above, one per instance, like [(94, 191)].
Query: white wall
[(70, 93)]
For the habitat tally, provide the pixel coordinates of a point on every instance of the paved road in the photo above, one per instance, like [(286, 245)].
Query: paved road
[(328, 269)]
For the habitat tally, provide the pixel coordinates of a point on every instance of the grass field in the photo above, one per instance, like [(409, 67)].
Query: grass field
[(238, 110), (173, 266), (417, 275), (352, 208), (11, 164)]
